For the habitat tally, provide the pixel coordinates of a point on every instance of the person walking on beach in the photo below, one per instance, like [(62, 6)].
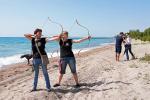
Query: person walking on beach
[(67, 57), (39, 56), (118, 45), (127, 43)]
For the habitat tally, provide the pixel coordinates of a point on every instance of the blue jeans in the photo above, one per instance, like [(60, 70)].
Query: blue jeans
[(67, 61), (128, 48), (36, 64)]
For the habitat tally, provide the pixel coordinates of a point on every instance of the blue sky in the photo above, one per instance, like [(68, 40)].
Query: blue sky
[(102, 17)]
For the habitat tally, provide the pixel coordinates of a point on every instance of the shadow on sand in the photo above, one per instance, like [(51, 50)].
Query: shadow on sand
[(87, 87)]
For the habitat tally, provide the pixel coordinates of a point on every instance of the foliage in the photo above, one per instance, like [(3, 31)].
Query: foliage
[(144, 36), (146, 58)]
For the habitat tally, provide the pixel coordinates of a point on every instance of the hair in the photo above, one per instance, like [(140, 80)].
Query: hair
[(64, 32), (37, 30), (121, 33)]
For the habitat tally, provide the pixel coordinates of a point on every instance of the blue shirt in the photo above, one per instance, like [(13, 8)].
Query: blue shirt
[(119, 40)]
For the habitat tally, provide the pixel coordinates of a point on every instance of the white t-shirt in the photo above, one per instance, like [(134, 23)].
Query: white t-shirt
[(128, 40)]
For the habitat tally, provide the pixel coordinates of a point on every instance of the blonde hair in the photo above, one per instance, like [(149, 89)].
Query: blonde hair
[(64, 32)]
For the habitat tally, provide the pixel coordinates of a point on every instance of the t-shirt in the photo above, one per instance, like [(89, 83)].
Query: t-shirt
[(66, 48), (128, 41), (41, 45), (119, 40)]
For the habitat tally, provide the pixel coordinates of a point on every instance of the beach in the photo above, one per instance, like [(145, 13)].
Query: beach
[(100, 76)]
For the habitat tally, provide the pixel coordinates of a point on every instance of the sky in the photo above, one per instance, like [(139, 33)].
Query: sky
[(104, 18)]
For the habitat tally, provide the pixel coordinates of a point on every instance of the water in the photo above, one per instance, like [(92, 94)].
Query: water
[(11, 48)]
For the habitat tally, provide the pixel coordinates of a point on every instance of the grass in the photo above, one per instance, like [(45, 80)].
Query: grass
[(146, 58)]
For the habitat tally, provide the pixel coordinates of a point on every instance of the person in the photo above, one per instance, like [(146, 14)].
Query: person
[(127, 43), (38, 49), (67, 56), (118, 45)]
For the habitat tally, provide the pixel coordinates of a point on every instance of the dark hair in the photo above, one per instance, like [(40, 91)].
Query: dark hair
[(121, 33), (37, 30)]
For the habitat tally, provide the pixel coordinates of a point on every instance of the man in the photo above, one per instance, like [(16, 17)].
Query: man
[(118, 45), (38, 49), (67, 57)]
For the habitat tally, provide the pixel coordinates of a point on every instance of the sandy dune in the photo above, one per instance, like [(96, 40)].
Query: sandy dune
[(100, 76)]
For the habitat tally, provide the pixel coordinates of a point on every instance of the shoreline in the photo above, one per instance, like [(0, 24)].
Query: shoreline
[(22, 66), (55, 54)]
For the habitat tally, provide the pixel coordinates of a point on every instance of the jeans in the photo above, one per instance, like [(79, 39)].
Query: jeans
[(36, 64), (67, 61), (128, 48)]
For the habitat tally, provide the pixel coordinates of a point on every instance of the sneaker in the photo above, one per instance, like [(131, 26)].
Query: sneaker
[(33, 90), (133, 58), (77, 85), (56, 85), (49, 90)]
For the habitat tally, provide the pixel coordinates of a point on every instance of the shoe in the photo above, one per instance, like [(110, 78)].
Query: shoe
[(133, 58), (49, 90), (56, 85), (77, 85), (33, 90)]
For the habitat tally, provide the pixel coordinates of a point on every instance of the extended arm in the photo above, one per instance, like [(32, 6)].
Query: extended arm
[(54, 38), (81, 40)]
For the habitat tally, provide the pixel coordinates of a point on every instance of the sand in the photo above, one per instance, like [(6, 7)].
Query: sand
[(101, 78)]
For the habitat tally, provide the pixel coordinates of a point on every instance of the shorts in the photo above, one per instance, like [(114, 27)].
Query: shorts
[(118, 49), (67, 61)]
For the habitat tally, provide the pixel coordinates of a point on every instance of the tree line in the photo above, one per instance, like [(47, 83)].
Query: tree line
[(137, 34)]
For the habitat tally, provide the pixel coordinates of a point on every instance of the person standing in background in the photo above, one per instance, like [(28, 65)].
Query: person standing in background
[(128, 46), (118, 45)]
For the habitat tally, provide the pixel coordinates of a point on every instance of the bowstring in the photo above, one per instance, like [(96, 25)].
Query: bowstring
[(88, 35), (57, 50)]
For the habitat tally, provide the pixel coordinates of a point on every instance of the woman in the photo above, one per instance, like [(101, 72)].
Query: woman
[(38, 49), (67, 57), (127, 43)]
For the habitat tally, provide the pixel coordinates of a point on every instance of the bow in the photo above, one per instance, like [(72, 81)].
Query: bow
[(61, 32), (87, 32), (56, 23)]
